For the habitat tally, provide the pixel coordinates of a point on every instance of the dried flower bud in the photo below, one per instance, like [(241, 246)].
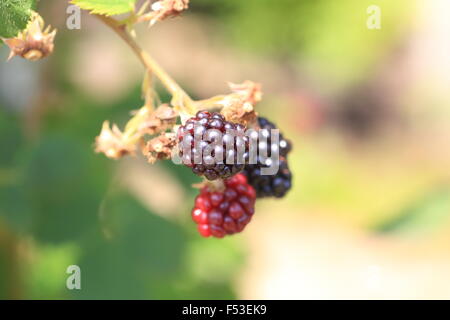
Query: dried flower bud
[(34, 42), (162, 119), (160, 148), (168, 8), (238, 106), (249, 91), (235, 109), (111, 142), (165, 113)]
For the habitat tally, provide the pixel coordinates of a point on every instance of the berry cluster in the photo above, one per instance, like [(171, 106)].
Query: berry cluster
[(212, 146), (221, 213), (224, 213), (271, 185)]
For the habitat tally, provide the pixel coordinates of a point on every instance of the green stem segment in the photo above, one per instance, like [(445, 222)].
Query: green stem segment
[(181, 99)]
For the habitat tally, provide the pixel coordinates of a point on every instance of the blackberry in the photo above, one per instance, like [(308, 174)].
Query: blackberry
[(224, 213), (270, 185), (205, 150), (284, 145), (276, 185)]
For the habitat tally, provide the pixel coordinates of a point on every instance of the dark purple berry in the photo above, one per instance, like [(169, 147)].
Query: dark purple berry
[(209, 146)]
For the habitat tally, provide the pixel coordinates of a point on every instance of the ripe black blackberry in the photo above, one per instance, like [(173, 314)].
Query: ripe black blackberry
[(269, 185), (205, 150), (284, 145)]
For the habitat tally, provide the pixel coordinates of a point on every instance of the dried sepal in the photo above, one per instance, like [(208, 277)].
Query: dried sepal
[(212, 186), (160, 148), (167, 8), (165, 113), (162, 119), (238, 111), (239, 106), (113, 143), (249, 91), (33, 43)]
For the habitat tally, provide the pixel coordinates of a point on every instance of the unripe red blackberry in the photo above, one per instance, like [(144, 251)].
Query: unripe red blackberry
[(224, 213), (212, 146), (276, 185)]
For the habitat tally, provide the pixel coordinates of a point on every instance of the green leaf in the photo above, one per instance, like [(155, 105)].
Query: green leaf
[(106, 7), (14, 209), (45, 276), (61, 188), (133, 253), (14, 16)]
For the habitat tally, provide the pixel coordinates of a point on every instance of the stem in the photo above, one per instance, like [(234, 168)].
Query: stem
[(147, 91), (180, 98), (215, 102), (130, 133)]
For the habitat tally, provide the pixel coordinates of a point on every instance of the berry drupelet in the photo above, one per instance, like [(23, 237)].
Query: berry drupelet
[(284, 145), (276, 185), (211, 146), (224, 213), (270, 185)]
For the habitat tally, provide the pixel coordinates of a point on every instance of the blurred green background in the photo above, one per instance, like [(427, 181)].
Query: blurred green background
[(368, 112)]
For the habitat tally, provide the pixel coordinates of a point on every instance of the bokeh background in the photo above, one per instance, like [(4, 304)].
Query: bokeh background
[(368, 112)]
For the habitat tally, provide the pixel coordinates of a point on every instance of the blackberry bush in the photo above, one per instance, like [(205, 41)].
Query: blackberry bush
[(213, 144)]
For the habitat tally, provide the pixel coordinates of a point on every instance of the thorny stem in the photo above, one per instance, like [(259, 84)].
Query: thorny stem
[(180, 99)]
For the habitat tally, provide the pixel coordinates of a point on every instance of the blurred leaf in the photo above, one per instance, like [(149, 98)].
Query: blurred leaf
[(223, 256), (14, 209), (140, 248), (46, 275), (64, 185), (106, 7), (425, 216), (14, 16), (11, 139), (3, 275), (106, 273), (154, 242), (81, 118)]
